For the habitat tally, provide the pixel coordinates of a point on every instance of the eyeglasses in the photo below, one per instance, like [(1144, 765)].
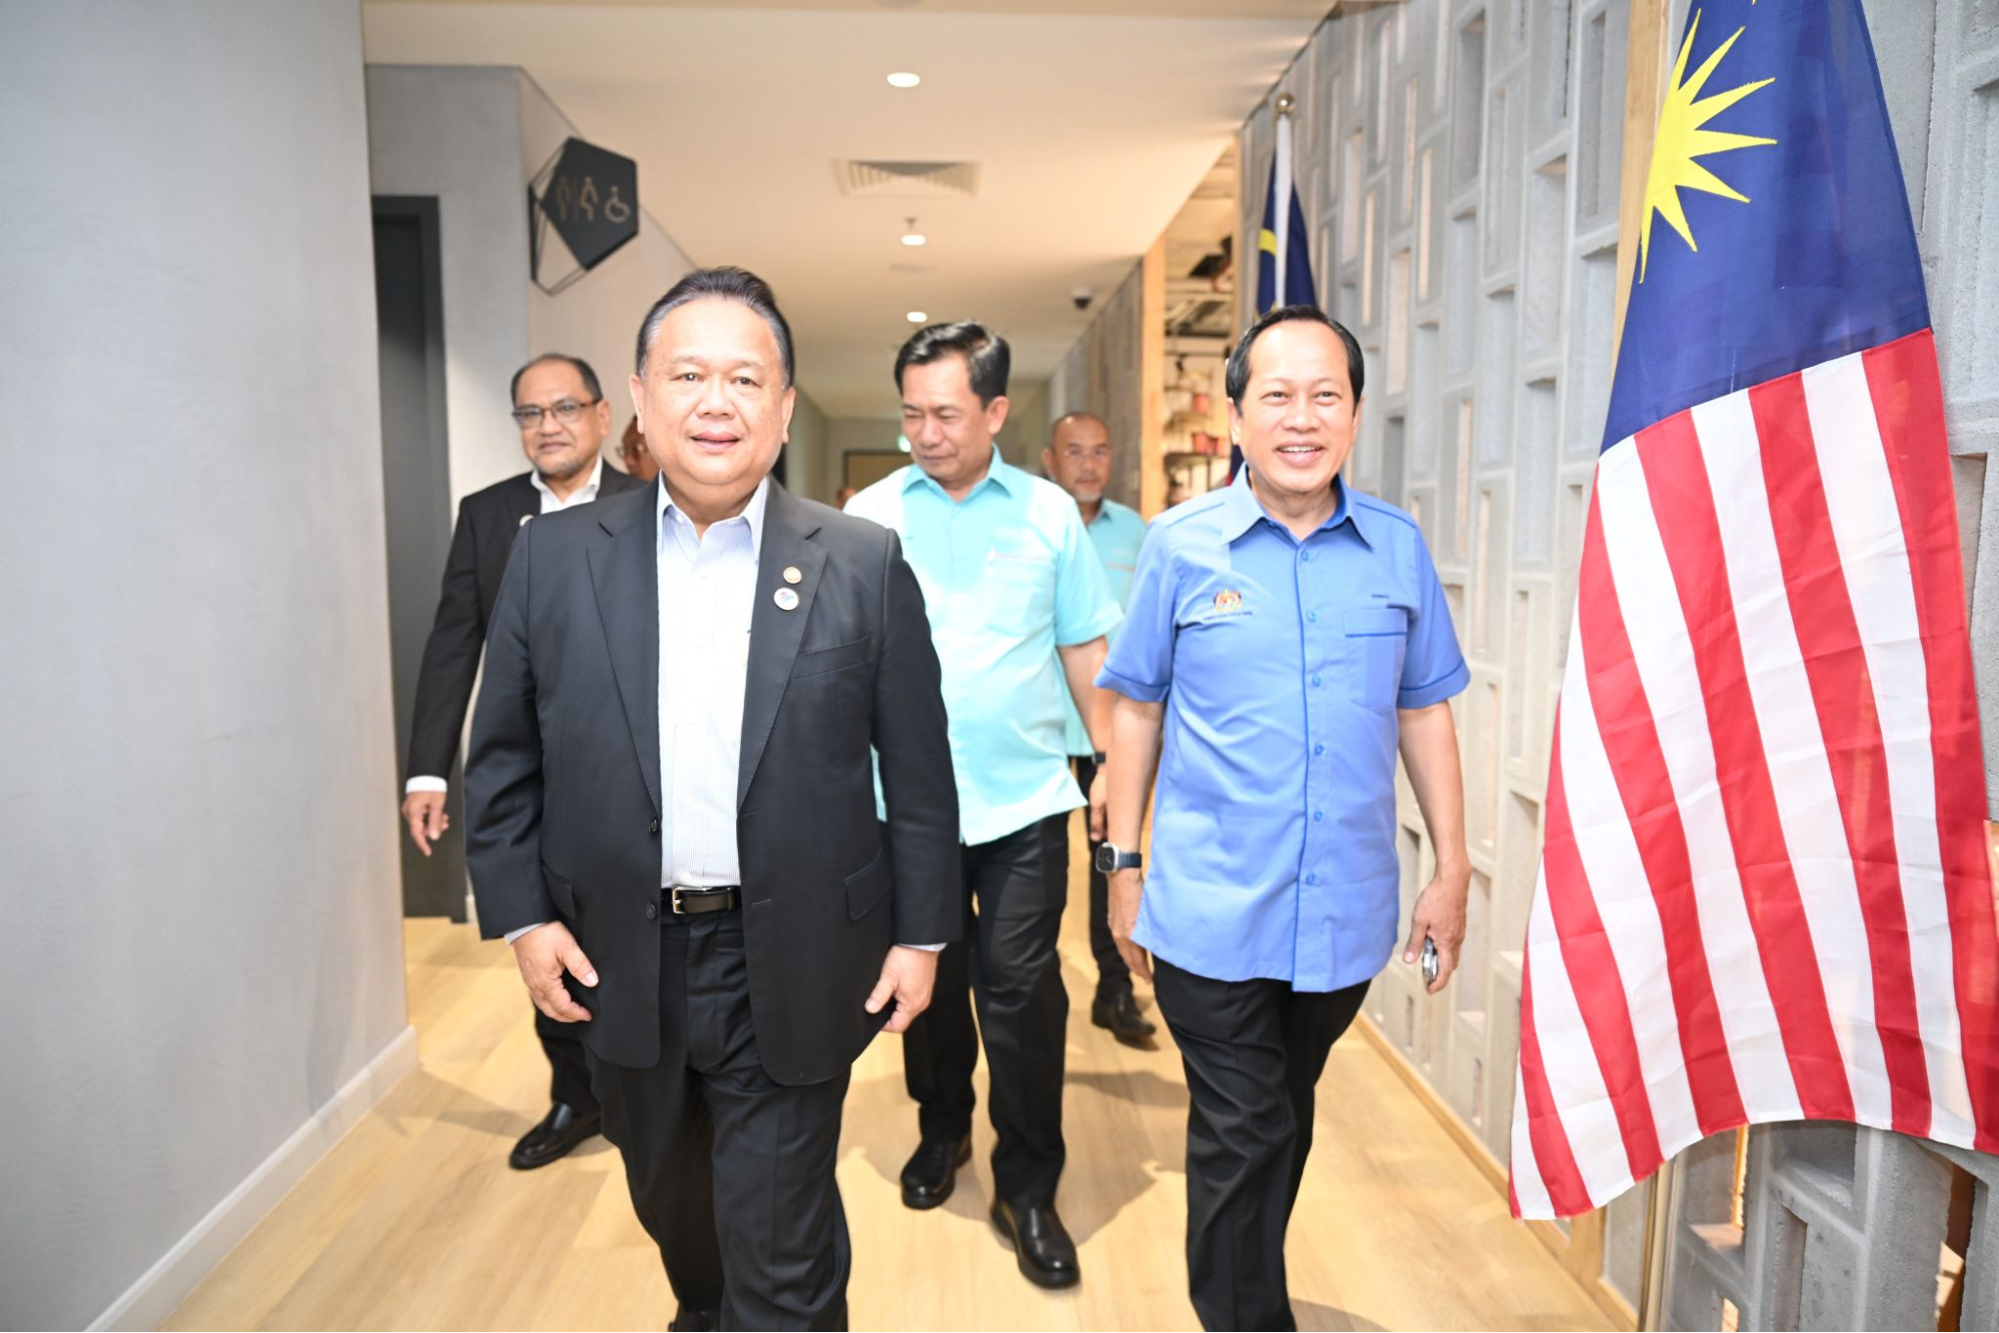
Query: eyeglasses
[(568, 412)]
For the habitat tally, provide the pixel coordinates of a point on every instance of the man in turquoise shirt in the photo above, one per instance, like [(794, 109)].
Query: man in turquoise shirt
[(1078, 459), (1019, 610)]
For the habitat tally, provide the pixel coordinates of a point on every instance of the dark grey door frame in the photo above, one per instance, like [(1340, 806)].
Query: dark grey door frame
[(416, 479)]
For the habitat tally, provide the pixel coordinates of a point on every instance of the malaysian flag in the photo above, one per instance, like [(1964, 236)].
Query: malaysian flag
[(1283, 250), (1764, 891)]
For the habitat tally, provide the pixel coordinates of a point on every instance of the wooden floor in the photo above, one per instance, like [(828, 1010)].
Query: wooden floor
[(414, 1220)]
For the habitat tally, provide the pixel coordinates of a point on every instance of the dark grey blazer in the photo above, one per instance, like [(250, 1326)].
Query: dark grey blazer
[(562, 780), (488, 522)]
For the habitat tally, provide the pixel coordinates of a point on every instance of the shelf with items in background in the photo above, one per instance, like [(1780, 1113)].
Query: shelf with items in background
[(1194, 433)]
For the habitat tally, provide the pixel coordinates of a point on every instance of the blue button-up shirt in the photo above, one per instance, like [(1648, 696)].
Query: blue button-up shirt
[(1116, 533), (1007, 575), (1282, 664)]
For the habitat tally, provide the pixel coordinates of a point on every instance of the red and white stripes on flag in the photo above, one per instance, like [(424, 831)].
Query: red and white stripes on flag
[(1764, 891)]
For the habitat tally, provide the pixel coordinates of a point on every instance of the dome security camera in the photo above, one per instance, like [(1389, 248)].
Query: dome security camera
[(1081, 297)]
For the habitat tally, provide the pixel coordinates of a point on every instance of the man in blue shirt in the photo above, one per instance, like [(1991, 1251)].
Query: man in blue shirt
[(1285, 636), (1019, 610), (1078, 459)]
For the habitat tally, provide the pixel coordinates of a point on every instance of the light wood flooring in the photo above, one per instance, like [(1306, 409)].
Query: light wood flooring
[(414, 1220)]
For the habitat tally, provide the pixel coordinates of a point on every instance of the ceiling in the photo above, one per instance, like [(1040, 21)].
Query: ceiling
[(1092, 121)]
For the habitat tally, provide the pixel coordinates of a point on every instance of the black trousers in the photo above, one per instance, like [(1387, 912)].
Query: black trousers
[(731, 1173), (1113, 977), (1015, 889), (569, 1071), (1253, 1052)]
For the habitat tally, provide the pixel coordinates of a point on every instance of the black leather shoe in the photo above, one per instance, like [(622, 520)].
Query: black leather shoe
[(1120, 1013), (559, 1131), (694, 1321), (1047, 1255), (932, 1171)]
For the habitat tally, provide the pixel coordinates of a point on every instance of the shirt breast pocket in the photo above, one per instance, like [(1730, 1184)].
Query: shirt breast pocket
[(1020, 596), (1377, 639)]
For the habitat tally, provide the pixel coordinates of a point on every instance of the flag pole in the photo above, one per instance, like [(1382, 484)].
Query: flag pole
[(1281, 194)]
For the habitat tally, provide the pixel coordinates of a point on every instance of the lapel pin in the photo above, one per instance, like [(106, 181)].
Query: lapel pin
[(786, 599), (792, 574)]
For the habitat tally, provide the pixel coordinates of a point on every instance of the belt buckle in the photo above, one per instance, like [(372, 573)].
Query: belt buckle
[(676, 901)]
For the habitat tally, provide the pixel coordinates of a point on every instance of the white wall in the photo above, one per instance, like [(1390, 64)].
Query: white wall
[(1025, 434), (473, 137), (200, 880), (845, 435), (596, 318), (456, 133), (808, 470)]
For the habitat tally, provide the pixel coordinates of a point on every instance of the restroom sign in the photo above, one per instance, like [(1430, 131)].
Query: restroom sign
[(589, 196)]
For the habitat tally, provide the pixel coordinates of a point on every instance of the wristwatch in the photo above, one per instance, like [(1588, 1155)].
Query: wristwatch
[(1111, 858), (1100, 758)]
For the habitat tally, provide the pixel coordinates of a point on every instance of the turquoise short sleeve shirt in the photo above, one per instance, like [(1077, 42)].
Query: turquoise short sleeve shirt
[(1008, 576), (1116, 533)]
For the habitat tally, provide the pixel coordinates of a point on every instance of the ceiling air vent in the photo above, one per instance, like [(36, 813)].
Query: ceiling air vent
[(907, 180)]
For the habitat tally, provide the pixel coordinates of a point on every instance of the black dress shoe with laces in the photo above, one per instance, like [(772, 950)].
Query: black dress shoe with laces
[(1120, 1013), (1041, 1243), (932, 1171), (694, 1321), (559, 1131)]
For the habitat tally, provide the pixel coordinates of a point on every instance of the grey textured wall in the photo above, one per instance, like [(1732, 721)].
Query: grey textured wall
[(1102, 374), (200, 870)]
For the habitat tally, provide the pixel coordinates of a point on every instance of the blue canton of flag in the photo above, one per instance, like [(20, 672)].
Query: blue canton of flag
[(1777, 233)]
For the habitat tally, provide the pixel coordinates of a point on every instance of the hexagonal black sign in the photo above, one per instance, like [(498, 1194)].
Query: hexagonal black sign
[(590, 195)]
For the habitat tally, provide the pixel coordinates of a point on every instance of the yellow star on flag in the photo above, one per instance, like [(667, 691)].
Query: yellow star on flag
[(1681, 139)]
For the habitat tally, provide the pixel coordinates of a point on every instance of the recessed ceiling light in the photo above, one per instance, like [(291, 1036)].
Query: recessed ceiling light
[(903, 78), (914, 238), (918, 317)]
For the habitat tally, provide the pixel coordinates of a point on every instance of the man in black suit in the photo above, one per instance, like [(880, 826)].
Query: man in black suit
[(563, 417), (673, 812)]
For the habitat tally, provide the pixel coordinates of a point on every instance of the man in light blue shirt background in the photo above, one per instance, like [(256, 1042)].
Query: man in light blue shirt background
[(1078, 459), (1018, 609), (1286, 636)]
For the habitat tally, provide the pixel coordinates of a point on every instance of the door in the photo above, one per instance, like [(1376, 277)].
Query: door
[(417, 481)]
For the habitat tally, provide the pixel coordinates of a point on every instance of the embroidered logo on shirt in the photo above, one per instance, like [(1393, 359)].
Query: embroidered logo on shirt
[(1227, 600)]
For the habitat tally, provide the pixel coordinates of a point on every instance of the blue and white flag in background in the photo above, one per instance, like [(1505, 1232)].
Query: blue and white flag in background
[(1283, 256)]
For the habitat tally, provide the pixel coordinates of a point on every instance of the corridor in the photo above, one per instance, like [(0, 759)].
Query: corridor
[(413, 1222)]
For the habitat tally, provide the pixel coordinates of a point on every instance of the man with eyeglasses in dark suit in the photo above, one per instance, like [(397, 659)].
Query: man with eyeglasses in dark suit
[(564, 419)]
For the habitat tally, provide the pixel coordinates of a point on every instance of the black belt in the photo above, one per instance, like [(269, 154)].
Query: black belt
[(693, 902)]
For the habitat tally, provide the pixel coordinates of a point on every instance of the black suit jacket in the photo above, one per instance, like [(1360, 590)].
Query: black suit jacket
[(562, 779), (488, 522)]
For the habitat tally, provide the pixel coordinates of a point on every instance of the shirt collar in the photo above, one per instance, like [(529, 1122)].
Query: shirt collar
[(584, 493), (1241, 509), (752, 515), (1000, 472), (1107, 512)]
